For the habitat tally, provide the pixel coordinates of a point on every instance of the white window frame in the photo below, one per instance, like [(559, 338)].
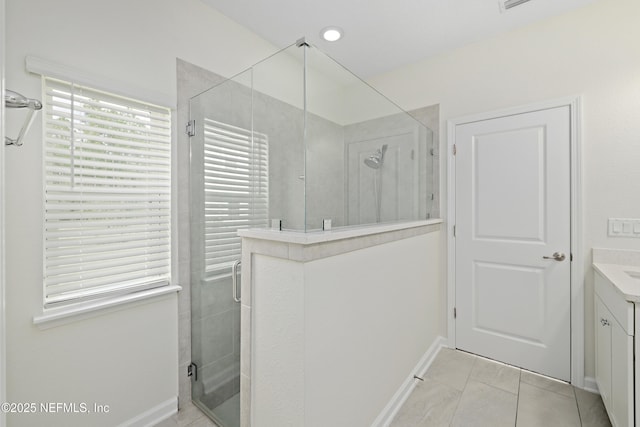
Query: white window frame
[(52, 317)]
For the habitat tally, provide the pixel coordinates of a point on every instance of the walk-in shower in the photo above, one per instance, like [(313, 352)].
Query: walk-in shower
[(294, 140)]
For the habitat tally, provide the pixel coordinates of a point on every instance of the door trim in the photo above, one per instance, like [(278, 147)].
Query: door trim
[(577, 264)]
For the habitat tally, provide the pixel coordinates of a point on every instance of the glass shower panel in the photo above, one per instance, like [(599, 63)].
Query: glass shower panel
[(228, 192), (366, 158), (278, 112)]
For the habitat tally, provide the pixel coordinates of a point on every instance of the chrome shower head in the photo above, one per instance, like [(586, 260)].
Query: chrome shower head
[(376, 160), (373, 161)]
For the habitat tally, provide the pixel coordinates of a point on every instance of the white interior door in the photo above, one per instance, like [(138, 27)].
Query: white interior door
[(512, 186)]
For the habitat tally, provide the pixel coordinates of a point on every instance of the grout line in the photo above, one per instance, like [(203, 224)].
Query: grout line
[(455, 411), (518, 396), (551, 391), (475, 361), (575, 396), (488, 381)]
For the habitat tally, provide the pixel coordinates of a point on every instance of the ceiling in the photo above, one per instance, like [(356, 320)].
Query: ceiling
[(381, 35)]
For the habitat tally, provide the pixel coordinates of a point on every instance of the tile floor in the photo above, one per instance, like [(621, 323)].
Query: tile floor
[(188, 416), (460, 389)]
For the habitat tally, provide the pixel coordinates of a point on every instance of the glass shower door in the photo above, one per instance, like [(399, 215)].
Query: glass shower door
[(225, 197)]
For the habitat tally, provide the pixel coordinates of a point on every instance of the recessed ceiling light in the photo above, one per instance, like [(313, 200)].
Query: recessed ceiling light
[(331, 34)]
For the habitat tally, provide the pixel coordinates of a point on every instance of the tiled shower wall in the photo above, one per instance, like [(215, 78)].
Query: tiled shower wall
[(408, 184)]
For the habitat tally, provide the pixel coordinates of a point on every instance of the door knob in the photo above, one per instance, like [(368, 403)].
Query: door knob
[(558, 256)]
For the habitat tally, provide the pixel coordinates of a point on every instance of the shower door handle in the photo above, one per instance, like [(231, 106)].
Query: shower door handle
[(234, 280)]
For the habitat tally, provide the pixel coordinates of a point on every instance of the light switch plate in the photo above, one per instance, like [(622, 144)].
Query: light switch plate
[(624, 227)]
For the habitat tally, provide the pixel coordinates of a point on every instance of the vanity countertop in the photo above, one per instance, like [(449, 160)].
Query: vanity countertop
[(625, 279)]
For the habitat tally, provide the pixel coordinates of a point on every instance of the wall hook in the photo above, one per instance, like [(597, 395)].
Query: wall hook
[(15, 100)]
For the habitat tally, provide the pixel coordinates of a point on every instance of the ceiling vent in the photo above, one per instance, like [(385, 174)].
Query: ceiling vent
[(508, 4)]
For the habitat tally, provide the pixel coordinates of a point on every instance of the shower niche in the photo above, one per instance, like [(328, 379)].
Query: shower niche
[(287, 144)]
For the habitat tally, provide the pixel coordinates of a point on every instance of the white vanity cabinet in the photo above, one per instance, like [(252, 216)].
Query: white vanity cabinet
[(614, 334)]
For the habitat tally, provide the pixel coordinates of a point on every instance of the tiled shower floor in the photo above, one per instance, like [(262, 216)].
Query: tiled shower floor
[(460, 389), (464, 390)]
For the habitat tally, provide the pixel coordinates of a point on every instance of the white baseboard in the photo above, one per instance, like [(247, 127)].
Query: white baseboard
[(398, 399), (154, 415), (591, 385)]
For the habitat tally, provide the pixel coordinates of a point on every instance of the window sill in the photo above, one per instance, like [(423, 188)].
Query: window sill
[(53, 317)]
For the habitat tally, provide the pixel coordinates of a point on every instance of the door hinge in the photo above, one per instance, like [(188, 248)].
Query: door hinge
[(192, 371), (454, 231), (455, 149), (191, 128), (455, 313), (570, 257)]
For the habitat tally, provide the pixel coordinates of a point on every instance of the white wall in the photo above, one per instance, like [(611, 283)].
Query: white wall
[(277, 353), (370, 316), (592, 51), (334, 338), (3, 374), (126, 359)]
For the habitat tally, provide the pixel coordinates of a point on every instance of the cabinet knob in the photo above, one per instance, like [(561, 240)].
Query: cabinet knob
[(604, 322)]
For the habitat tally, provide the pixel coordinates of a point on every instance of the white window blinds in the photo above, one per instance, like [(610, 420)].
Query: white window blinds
[(107, 162), (236, 191)]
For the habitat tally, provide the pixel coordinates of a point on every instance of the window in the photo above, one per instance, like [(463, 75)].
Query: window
[(107, 178), (236, 193)]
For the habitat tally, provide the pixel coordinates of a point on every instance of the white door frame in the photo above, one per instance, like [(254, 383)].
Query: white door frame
[(577, 264)]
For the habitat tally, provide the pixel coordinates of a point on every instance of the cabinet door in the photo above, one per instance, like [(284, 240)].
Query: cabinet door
[(603, 352), (621, 376)]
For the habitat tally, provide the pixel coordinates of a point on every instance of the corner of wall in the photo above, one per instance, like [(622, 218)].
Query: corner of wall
[(2, 316), (591, 385)]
